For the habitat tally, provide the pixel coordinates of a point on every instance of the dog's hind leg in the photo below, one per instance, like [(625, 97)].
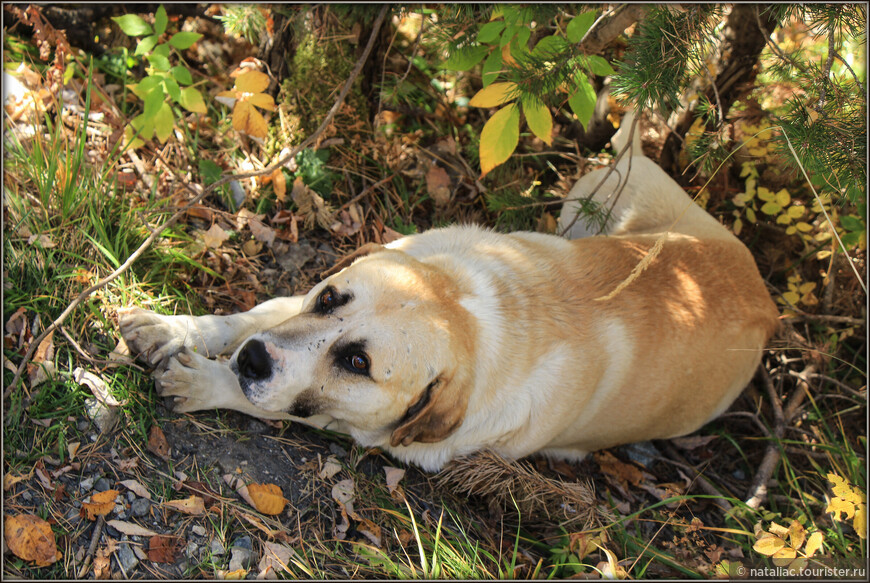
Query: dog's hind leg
[(155, 337)]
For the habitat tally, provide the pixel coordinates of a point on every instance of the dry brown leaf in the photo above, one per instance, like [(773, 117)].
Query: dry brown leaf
[(102, 564), (261, 232), (97, 386), (101, 504), (164, 549), (330, 467), (157, 443), (214, 237), (389, 235), (394, 476), (693, 441), (311, 205), (276, 557), (130, 528), (9, 480), (268, 498), (623, 472), (438, 185), (209, 496), (279, 183), (137, 488), (72, 449), (29, 537), (192, 505)]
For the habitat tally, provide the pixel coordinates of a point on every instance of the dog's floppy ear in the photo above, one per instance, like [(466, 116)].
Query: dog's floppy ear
[(435, 415), (366, 249)]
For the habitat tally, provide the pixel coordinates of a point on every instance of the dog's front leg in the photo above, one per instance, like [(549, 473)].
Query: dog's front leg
[(155, 337), (198, 383)]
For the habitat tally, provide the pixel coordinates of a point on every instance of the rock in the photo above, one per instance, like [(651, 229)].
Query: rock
[(126, 558), (216, 547), (140, 507), (643, 453), (87, 485), (337, 450), (240, 559), (244, 542), (73, 516), (257, 427), (198, 530), (102, 485), (82, 425), (130, 496), (27, 496), (112, 531), (103, 416)]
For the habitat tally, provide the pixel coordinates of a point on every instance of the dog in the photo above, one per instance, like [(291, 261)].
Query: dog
[(460, 339)]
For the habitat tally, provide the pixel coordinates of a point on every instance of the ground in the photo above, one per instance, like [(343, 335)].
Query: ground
[(768, 477)]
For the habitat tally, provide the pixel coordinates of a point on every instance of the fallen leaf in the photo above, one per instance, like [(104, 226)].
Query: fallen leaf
[(394, 476), (101, 504), (209, 496), (157, 443), (261, 232), (44, 241), (330, 468), (102, 564), (342, 492), (130, 528), (268, 498), (311, 205), (192, 505), (275, 557), (72, 449), (244, 96), (214, 237), (236, 575), (97, 386), (137, 488), (164, 549), (693, 441), (29, 537), (623, 472), (9, 480), (438, 185), (240, 488), (279, 183)]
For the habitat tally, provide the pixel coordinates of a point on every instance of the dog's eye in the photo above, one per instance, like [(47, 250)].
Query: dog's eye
[(327, 301), (358, 362)]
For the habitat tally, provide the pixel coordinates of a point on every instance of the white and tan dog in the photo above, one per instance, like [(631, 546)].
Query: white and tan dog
[(460, 339)]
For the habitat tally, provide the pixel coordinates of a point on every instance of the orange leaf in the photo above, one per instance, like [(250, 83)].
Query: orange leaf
[(101, 504), (193, 505), (263, 100), (157, 443), (30, 538), (248, 120), (267, 498), (164, 549)]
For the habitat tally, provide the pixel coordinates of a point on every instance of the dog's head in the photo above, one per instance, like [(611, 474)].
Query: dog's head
[(383, 345)]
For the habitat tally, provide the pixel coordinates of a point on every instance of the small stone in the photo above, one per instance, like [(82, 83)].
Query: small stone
[(126, 558), (102, 485), (257, 427), (87, 485), (103, 416), (112, 531), (244, 542), (192, 549), (27, 496), (240, 559), (337, 450), (82, 425), (216, 547), (140, 552), (73, 516), (140, 507), (198, 530), (130, 496)]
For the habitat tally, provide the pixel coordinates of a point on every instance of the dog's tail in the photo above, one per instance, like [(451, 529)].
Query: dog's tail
[(620, 138)]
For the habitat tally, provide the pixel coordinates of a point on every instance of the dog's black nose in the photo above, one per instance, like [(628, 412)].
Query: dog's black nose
[(254, 361)]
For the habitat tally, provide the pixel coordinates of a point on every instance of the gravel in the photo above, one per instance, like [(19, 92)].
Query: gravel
[(140, 507)]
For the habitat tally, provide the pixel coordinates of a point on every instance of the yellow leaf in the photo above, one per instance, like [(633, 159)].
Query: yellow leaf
[(764, 194), (248, 120), (193, 505), (750, 215), (859, 523), (778, 530), (29, 537), (540, 120), (806, 288), (814, 543), (791, 230), (499, 137), (783, 219), (797, 534), (837, 506), (267, 498), (236, 575), (770, 208), (791, 297), (252, 82), (263, 101), (782, 198), (796, 211), (768, 545), (494, 95), (737, 226), (784, 556)]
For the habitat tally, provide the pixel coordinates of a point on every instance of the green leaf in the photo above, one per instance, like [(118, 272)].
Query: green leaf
[(509, 33), (191, 100), (146, 44), (133, 25), (583, 101), (158, 61), (153, 100), (145, 86), (851, 223), (490, 31), (164, 122), (600, 66), (579, 26), (160, 20), (209, 171), (539, 119), (771, 208), (491, 67), (465, 58), (522, 39), (181, 74), (184, 40), (494, 95), (499, 137), (549, 46), (172, 88)]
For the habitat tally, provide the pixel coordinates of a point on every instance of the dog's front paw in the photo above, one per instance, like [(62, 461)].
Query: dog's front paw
[(154, 337), (191, 379)]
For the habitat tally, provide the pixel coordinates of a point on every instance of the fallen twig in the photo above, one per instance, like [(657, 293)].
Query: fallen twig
[(783, 416), (95, 538), (178, 214)]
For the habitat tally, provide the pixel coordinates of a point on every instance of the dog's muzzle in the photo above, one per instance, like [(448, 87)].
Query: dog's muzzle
[(253, 362)]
